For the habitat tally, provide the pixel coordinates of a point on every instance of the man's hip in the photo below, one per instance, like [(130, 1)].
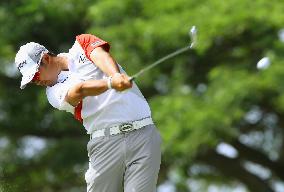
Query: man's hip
[(126, 161)]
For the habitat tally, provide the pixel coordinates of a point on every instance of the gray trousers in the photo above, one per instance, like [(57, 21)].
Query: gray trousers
[(128, 162)]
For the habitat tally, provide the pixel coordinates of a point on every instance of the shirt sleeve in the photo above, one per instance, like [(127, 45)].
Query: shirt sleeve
[(89, 42), (56, 94), (56, 97)]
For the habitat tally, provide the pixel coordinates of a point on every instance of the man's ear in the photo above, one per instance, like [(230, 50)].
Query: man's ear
[(45, 58)]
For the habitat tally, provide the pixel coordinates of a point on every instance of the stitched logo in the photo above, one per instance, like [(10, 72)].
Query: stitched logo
[(125, 127), (63, 80), (82, 58), (21, 65), (38, 53), (94, 44)]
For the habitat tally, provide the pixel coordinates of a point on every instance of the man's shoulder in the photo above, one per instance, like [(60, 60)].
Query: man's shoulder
[(86, 37), (76, 51)]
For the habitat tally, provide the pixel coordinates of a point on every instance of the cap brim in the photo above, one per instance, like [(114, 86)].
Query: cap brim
[(28, 75)]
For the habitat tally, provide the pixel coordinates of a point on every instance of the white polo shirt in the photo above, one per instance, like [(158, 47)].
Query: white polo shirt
[(101, 111)]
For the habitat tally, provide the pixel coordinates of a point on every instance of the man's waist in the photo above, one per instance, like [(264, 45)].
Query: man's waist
[(123, 127)]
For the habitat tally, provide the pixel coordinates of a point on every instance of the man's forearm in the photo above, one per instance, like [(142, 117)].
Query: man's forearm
[(84, 89), (104, 61), (119, 82), (93, 87)]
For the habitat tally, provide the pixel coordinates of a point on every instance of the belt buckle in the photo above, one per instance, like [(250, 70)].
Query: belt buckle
[(126, 127)]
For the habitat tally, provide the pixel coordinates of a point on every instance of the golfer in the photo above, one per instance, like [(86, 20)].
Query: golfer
[(124, 147)]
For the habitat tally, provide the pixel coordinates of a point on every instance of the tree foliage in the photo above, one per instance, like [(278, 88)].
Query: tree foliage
[(199, 100)]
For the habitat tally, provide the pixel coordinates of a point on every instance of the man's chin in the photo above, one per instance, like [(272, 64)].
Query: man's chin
[(51, 83)]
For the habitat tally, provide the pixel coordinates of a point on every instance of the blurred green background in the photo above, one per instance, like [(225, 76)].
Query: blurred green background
[(221, 119)]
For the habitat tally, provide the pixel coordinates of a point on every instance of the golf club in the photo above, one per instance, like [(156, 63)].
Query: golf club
[(193, 37)]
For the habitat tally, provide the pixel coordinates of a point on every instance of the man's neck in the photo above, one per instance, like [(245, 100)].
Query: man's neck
[(62, 63)]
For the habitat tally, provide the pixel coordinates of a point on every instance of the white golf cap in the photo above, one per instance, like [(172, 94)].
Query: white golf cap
[(28, 61)]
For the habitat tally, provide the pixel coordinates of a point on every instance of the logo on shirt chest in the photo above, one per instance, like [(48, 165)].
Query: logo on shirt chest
[(83, 59), (62, 80)]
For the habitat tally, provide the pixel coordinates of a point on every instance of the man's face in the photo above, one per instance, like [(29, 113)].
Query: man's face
[(48, 71)]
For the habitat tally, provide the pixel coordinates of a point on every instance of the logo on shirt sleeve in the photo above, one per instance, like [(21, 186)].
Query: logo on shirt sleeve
[(96, 43)]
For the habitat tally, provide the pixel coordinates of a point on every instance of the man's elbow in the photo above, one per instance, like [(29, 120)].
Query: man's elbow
[(75, 94), (81, 91)]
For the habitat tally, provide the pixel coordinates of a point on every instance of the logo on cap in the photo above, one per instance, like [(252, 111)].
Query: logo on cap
[(39, 52), (22, 64)]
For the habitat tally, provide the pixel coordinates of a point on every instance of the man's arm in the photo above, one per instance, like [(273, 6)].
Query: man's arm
[(97, 50), (104, 61), (96, 87), (91, 87)]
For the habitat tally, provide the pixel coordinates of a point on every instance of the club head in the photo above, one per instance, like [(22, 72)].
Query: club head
[(193, 36), (263, 63)]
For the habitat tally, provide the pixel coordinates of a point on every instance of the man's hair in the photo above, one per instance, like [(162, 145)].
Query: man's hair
[(51, 54)]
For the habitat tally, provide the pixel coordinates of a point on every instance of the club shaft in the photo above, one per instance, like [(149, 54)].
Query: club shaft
[(177, 52)]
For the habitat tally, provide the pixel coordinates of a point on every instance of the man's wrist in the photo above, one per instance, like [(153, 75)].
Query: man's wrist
[(109, 82), (116, 73)]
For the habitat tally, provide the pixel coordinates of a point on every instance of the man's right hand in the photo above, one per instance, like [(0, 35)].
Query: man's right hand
[(120, 82)]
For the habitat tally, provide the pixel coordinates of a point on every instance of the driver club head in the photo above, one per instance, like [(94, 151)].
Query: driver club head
[(193, 36)]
